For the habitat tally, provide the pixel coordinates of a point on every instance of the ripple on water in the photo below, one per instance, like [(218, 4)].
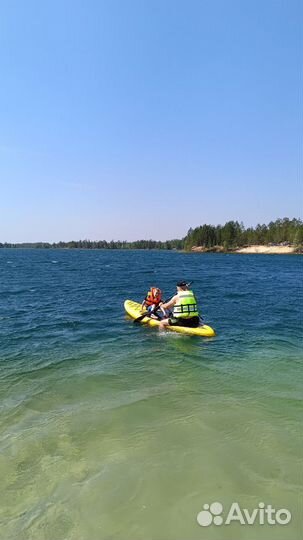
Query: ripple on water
[(116, 431)]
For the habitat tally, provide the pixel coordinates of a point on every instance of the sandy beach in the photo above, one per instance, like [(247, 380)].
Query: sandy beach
[(271, 250), (274, 250)]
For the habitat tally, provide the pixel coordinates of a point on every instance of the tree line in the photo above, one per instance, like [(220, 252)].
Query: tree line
[(99, 244), (231, 235)]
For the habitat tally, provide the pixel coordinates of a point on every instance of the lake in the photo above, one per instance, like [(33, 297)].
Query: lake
[(115, 431)]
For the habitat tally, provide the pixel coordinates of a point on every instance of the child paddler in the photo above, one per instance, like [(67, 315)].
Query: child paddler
[(152, 302)]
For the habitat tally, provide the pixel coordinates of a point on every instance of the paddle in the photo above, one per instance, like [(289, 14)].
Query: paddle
[(139, 319), (146, 313)]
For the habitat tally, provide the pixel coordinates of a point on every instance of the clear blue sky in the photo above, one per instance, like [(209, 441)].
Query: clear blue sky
[(127, 119)]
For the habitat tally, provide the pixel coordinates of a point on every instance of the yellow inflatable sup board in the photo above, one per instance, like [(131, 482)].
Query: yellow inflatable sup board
[(133, 309)]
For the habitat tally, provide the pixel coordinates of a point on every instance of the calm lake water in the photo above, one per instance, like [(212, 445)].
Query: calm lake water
[(114, 431)]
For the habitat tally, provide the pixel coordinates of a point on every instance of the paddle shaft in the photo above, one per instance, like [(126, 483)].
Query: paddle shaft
[(147, 313)]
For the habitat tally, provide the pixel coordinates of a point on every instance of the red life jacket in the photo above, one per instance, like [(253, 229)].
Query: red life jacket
[(154, 296)]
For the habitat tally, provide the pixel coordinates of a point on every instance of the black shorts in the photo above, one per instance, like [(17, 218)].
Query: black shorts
[(191, 322)]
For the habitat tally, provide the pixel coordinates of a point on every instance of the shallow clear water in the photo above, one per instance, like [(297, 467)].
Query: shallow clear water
[(110, 430)]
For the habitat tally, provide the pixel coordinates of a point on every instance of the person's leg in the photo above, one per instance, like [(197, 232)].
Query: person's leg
[(163, 324), (191, 322), (170, 321), (153, 312), (194, 322)]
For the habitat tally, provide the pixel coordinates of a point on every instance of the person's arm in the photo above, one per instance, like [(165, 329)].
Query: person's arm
[(170, 303)]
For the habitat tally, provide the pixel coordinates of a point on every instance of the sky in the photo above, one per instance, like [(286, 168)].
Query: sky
[(134, 119)]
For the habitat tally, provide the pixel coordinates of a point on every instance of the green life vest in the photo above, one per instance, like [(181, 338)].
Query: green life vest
[(186, 305)]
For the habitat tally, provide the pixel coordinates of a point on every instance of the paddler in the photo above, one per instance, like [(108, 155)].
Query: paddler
[(185, 309), (152, 302)]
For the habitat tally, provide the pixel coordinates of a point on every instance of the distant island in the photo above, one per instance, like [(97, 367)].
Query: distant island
[(280, 236)]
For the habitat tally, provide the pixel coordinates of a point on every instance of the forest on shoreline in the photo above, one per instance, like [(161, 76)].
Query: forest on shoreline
[(230, 236)]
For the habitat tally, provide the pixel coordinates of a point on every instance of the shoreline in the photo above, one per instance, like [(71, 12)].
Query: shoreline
[(272, 250), (252, 250), (247, 250)]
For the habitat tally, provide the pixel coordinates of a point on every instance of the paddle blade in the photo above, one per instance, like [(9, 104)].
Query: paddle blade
[(139, 319)]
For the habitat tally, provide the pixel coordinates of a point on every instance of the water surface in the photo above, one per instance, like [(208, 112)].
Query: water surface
[(110, 430)]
